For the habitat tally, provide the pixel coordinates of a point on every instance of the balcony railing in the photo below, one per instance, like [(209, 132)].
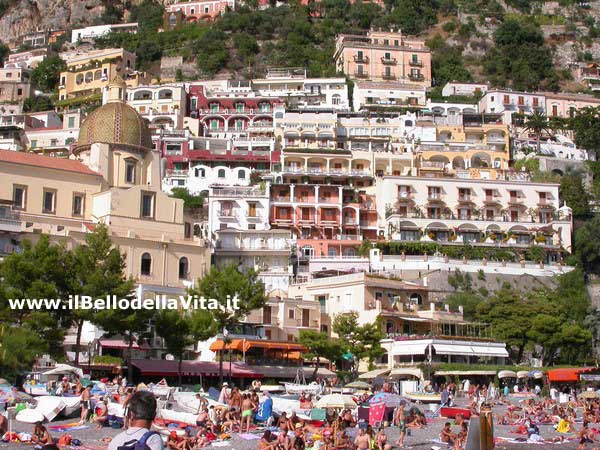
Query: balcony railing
[(414, 63), (388, 61), (388, 76), (361, 59), (416, 77), (358, 74), (237, 192)]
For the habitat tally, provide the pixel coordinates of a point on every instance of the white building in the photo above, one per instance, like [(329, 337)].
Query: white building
[(463, 88), (293, 86), (164, 105), (96, 31), (368, 94), (508, 102), (478, 212)]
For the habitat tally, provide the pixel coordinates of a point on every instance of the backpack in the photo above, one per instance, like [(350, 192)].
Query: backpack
[(138, 444)]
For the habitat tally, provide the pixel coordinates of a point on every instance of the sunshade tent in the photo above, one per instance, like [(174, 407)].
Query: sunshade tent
[(65, 369), (522, 374), (589, 394), (336, 401), (507, 374), (374, 374), (358, 385), (30, 416)]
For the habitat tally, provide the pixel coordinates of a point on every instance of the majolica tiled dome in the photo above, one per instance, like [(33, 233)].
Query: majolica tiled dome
[(115, 123)]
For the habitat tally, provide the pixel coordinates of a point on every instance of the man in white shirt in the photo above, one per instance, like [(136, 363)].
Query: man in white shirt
[(142, 410)]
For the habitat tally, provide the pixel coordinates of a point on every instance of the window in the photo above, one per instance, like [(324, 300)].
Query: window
[(199, 172), (335, 99), (146, 264), (266, 315), (221, 173), (214, 107), (19, 91), (555, 110), (252, 209), (33, 144), (291, 313), (147, 205), (49, 201), (71, 123), (184, 267), (78, 204), (239, 107), (130, 171), (241, 174), (19, 197)]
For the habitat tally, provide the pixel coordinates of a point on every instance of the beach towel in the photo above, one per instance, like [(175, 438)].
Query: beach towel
[(220, 444), (563, 426), (248, 436), (265, 410), (376, 413), (68, 427)]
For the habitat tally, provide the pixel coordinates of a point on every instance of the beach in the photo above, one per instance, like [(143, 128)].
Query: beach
[(420, 439)]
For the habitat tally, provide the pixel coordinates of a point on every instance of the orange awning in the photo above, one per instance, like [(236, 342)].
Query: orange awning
[(567, 375), (235, 344)]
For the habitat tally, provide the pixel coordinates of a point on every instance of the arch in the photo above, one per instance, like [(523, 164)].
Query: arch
[(481, 160), (558, 172), (143, 94), (454, 111), (97, 75), (165, 94), (407, 225), (350, 252), (438, 110), (332, 251), (199, 172), (518, 229), (416, 299), (308, 251), (146, 264), (437, 226), (221, 173), (336, 99), (184, 268), (241, 174), (89, 77), (468, 227), (493, 227), (439, 158), (469, 111), (79, 78), (459, 163)]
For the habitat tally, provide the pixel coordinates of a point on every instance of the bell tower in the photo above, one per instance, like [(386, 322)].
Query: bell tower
[(115, 91)]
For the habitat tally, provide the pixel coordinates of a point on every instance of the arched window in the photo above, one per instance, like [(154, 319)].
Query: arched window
[(221, 173), (184, 267), (416, 299), (331, 251), (146, 265), (335, 99), (241, 174), (199, 172)]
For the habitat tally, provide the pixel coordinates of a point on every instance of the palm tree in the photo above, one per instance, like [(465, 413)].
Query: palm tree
[(537, 123)]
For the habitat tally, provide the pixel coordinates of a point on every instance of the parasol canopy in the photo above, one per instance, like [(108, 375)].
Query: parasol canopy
[(336, 401), (391, 400)]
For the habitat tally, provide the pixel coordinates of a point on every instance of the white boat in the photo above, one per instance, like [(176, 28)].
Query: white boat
[(72, 405), (50, 406), (176, 416), (36, 389), (115, 409), (161, 389), (288, 405), (296, 388)]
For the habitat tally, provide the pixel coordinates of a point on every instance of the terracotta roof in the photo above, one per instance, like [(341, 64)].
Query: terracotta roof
[(31, 159)]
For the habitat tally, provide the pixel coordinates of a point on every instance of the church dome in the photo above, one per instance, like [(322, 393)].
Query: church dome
[(115, 123)]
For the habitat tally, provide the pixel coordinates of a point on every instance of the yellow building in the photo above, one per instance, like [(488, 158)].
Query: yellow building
[(89, 72), (113, 178), (470, 150)]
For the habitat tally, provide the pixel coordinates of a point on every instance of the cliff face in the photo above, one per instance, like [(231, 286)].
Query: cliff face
[(31, 15)]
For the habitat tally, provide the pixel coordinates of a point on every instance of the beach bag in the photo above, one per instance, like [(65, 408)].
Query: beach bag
[(138, 444), (65, 439)]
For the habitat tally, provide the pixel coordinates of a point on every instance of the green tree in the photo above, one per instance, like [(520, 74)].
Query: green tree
[(46, 74), (229, 282), (320, 345), (190, 201), (182, 329), (39, 271), (19, 346), (148, 14), (4, 51), (468, 300), (98, 270), (575, 195), (37, 103), (585, 124), (537, 123), (362, 341), (587, 245)]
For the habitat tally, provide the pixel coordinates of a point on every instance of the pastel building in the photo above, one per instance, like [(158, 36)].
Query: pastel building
[(384, 56), (464, 89), (418, 327), (508, 102), (89, 72), (15, 85), (112, 178), (205, 10), (93, 32), (479, 212), (565, 105), (163, 105), (53, 135), (28, 59)]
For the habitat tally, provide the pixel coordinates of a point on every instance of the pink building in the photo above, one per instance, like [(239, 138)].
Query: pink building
[(201, 10), (384, 56), (565, 105)]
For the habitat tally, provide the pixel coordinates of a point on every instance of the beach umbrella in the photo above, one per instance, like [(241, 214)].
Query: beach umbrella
[(522, 374), (65, 369), (507, 374), (30, 416), (589, 395), (392, 400), (536, 374), (335, 401), (3, 381), (358, 385)]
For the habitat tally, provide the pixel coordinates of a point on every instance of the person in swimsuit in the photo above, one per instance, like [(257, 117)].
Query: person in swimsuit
[(40, 434), (447, 435), (86, 405), (247, 413), (585, 437), (202, 418)]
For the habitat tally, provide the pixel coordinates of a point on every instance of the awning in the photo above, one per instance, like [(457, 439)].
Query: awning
[(165, 368), (480, 350), (567, 375), (450, 349), (246, 344), (374, 374), (290, 372), (409, 348), (235, 344), (407, 371), (120, 344), (465, 373)]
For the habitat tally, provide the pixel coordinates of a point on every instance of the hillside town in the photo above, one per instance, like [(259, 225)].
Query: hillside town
[(378, 228)]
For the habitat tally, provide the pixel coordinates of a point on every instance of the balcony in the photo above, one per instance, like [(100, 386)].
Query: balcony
[(388, 76), (389, 61), (350, 221), (252, 216), (416, 77), (361, 59), (9, 219), (227, 215), (515, 201), (416, 63), (358, 74), (237, 192)]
